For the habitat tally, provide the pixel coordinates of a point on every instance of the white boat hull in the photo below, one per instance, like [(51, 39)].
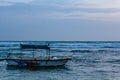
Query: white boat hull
[(37, 62)]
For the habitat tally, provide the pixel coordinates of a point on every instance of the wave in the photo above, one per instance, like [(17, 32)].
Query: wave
[(82, 51), (94, 50), (115, 61), (9, 44), (86, 45), (60, 50)]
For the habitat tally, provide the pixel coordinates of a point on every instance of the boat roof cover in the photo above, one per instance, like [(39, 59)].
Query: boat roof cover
[(26, 46)]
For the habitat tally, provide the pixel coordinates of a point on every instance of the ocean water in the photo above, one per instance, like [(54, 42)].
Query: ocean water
[(92, 60)]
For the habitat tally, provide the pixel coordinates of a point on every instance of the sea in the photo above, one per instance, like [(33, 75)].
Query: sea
[(91, 60)]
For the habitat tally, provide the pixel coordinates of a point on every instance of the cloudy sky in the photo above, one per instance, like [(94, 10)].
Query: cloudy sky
[(66, 20)]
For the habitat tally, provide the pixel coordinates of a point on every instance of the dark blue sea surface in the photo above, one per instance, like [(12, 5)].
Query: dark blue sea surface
[(92, 60)]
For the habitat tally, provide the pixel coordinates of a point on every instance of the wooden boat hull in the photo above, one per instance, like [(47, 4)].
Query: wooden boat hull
[(37, 62)]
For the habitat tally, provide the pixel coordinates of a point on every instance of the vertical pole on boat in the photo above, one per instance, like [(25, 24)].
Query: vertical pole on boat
[(33, 53), (48, 51), (20, 52)]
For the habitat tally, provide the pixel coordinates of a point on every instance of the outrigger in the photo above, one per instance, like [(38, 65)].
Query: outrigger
[(47, 61)]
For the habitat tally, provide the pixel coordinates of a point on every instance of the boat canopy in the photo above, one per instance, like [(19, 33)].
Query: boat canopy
[(27, 46)]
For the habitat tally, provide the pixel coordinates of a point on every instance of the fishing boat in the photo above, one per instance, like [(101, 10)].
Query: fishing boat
[(47, 61)]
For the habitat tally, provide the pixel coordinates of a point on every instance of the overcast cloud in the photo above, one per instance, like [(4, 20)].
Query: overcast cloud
[(54, 14)]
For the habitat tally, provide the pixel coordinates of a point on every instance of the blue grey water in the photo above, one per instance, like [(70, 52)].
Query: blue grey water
[(92, 60)]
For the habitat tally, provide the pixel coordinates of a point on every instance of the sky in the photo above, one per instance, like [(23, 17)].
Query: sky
[(59, 20)]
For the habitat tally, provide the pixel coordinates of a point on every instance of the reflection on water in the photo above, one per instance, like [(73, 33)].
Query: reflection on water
[(35, 68)]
